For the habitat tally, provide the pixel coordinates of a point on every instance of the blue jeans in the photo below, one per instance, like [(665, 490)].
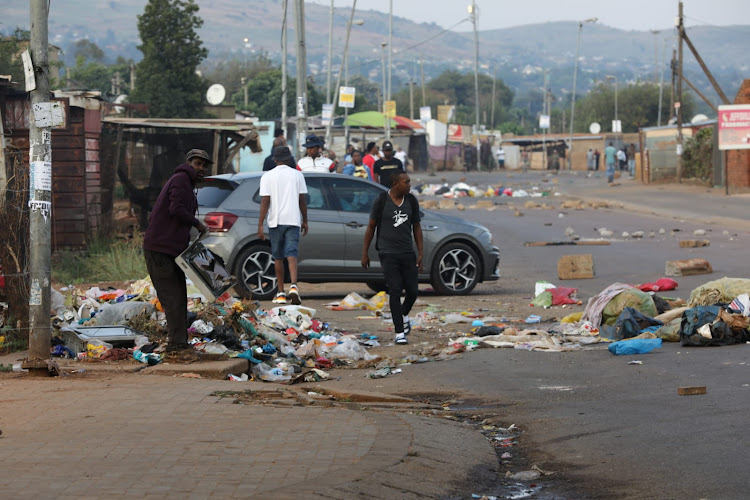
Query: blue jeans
[(284, 241), (631, 167), (610, 172)]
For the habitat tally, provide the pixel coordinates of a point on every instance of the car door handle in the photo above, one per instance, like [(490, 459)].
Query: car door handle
[(429, 228), (354, 224)]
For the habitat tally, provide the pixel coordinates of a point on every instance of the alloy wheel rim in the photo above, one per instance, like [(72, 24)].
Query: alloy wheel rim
[(458, 270), (258, 270)]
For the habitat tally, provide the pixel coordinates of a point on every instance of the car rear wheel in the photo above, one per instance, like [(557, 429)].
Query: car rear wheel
[(455, 269), (256, 272)]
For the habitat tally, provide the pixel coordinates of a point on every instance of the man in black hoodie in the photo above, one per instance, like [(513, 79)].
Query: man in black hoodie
[(167, 236)]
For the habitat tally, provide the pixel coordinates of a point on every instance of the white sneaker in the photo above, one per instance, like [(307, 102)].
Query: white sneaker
[(401, 339)]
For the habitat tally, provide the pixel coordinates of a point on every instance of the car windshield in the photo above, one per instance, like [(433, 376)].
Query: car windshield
[(211, 192)]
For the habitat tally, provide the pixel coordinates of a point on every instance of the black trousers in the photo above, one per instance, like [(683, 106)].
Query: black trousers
[(400, 273), (169, 281)]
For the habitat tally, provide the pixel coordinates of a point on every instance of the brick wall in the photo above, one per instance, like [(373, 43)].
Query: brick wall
[(738, 160)]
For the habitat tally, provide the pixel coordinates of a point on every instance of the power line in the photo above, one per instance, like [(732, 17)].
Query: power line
[(434, 36)]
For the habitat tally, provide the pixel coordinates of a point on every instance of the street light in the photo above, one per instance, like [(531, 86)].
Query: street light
[(338, 79), (246, 40), (387, 126), (356, 22), (617, 127), (573, 98), (473, 15)]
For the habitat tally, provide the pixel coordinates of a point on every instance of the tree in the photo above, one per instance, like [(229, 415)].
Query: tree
[(637, 106), (97, 76), (264, 96), (88, 50), (166, 77), (11, 47)]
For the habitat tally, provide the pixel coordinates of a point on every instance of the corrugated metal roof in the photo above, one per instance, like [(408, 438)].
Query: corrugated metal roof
[(207, 124)]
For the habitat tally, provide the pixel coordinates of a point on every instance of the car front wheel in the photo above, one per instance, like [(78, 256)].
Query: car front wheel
[(256, 272), (455, 269)]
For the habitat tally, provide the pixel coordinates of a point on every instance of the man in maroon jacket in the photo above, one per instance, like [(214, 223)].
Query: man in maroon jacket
[(167, 236)]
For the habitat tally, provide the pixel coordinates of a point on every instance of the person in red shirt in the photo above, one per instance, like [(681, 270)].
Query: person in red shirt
[(371, 157)]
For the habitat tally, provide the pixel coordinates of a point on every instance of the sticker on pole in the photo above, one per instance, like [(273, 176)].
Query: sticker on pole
[(327, 114), (48, 114), (346, 97), (425, 114), (41, 175), (734, 127)]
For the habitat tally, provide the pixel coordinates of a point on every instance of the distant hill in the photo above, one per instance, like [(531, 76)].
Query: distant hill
[(518, 55)]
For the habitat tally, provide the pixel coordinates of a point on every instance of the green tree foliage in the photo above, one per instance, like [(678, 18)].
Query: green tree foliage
[(453, 87), (229, 72), (97, 76), (264, 96), (166, 77), (11, 46), (88, 50), (637, 106), (697, 155), (366, 96)]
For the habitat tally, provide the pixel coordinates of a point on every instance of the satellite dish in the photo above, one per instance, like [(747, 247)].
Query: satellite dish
[(595, 128), (699, 118), (120, 99), (216, 94)]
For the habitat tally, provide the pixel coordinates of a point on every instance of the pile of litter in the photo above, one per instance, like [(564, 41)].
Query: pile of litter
[(461, 190)]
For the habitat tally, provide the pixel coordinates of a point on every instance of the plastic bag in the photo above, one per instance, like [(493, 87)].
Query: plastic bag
[(634, 346), (544, 299), (542, 286), (264, 372), (563, 295), (120, 313), (718, 291), (95, 348), (632, 297), (660, 285), (351, 349)]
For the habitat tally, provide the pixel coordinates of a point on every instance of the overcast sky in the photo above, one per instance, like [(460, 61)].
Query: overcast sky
[(626, 15)]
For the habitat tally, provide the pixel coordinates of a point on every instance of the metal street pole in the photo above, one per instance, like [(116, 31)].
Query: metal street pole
[(338, 79), (681, 34), (656, 55), (661, 81), (299, 32), (40, 199), (617, 127), (421, 71), (390, 47), (573, 97), (283, 70), (386, 120), (330, 54), (474, 14)]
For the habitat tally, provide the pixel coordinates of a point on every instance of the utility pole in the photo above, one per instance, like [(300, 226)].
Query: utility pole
[(656, 55), (283, 69), (330, 54), (474, 15), (243, 82), (299, 32), (386, 119), (673, 67), (40, 198), (661, 80), (680, 33), (411, 99), (390, 47), (421, 70), (492, 114)]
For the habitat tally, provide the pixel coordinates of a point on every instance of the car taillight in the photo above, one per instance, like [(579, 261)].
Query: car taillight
[(219, 222)]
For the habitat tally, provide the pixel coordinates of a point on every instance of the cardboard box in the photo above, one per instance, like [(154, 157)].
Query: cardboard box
[(206, 270)]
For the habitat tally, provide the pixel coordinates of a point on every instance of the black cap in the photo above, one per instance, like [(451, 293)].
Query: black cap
[(313, 141), (198, 153), (387, 145), (282, 154)]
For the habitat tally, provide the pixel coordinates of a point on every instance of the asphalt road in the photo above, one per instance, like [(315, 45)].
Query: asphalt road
[(609, 429), (614, 430)]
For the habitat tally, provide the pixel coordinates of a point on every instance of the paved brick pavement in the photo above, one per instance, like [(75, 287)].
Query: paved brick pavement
[(151, 436)]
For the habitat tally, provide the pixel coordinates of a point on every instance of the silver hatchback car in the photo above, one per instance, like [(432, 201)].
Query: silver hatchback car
[(458, 254)]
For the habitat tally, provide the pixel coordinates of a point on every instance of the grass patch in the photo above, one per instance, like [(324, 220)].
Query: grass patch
[(105, 259)]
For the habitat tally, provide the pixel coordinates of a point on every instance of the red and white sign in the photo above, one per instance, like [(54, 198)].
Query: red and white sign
[(734, 126)]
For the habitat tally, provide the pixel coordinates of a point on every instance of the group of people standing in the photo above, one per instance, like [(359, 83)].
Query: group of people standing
[(622, 159)]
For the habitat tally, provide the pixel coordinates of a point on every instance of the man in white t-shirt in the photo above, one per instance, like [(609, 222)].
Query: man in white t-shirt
[(283, 192), (313, 160), (401, 155)]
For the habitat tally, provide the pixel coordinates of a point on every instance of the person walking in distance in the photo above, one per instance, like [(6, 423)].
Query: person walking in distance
[(597, 157), (401, 155), (371, 156), (610, 158), (386, 166), (167, 236), (630, 153), (590, 159), (282, 192), (395, 217)]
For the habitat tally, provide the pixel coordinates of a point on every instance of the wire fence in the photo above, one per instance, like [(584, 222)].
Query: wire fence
[(14, 245)]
